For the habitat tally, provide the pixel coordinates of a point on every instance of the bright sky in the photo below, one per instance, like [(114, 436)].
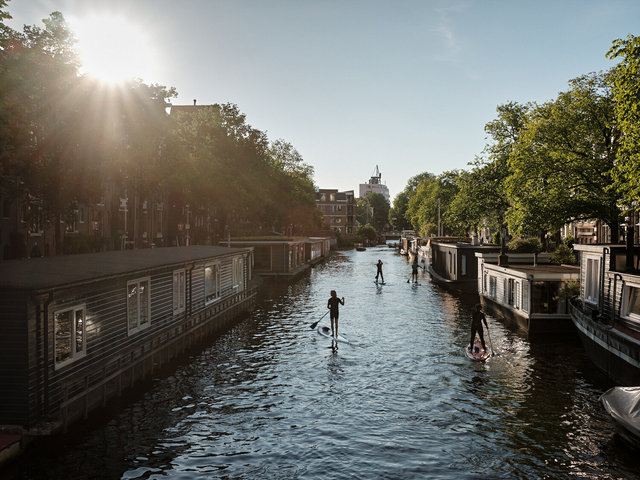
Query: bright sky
[(406, 85)]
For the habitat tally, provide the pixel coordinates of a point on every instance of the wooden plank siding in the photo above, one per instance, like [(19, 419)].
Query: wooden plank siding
[(38, 394)]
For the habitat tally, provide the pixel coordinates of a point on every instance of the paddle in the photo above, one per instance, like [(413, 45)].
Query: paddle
[(315, 324), (493, 352)]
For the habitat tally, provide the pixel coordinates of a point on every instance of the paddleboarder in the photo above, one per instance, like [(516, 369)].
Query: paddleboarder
[(476, 326), (332, 305), (414, 269), (379, 272)]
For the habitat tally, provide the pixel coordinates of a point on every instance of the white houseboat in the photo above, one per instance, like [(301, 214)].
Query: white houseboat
[(528, 292)]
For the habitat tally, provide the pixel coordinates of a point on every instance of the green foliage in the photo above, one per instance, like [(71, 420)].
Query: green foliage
[(374, 209), (398, 213), (367, 233), (563, 255), (433, 196), (625, 82), (569, 241), (524, 245), (570, 289), (561, 166), (496, 238)]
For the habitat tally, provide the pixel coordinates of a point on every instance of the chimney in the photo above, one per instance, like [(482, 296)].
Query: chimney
[(194, 102)]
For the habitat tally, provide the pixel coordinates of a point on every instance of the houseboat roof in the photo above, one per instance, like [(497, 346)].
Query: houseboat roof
[(541, 270), (65, 270)]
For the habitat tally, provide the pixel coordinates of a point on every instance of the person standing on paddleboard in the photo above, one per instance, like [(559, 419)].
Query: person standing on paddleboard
[(379, 272), (332, 304), (476, 327), (414, 269)]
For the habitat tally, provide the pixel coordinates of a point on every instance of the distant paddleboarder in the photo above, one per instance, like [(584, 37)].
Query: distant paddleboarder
[(379, 272), (332, 305), (414, 269)]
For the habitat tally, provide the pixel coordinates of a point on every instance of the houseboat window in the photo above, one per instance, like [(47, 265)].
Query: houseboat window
[(525, 297), (493, 286), (238, 273), (592, 280), (138, 304), (69, 327), (212, 283), (511, 292), (631, 305), (545, 298), (179, 291), (463, 263)]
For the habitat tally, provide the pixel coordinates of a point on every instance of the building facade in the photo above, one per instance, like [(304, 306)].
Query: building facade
[(375, 185), (338, 210)]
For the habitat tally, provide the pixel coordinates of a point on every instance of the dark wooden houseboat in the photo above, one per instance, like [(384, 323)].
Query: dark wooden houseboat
[(454, 265), (607, 312), (283, 258), (77, 330)]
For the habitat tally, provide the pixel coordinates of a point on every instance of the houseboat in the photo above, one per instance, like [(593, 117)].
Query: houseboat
[(453, 263), (283, 258), (529, 293), (77, 330), (313, 248), (607, 311)]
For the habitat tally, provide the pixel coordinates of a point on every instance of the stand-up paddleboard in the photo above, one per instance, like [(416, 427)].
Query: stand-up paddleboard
[(326, 332), (478, 354)]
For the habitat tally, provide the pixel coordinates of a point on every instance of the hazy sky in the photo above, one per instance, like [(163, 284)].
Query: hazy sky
[(405, 85)]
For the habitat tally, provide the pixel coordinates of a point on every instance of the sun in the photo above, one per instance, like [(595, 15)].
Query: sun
[(113, 49)]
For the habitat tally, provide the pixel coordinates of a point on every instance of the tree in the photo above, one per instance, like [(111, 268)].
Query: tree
[(367, 233), (373, 208), (294, 188), (398, 212), (625, 81), (562, 165), (482, 198), (428, 207)]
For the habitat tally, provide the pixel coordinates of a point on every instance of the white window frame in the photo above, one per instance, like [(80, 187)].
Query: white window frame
[(511, 293), (592, 280), (179, 291), (138, 298), (493, 286), (238, 273), (626, 300), (75, 353), (212, 288), (525, 297)]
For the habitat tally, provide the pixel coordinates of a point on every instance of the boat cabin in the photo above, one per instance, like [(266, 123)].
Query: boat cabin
[(79, 329)]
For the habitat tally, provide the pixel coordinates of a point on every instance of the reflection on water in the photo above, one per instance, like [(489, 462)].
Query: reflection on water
[(272, 398)]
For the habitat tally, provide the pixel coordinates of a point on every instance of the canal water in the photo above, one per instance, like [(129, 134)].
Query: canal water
[(271, 398)]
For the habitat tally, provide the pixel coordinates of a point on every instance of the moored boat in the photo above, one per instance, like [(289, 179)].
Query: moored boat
[(607, 312), (623, 406)]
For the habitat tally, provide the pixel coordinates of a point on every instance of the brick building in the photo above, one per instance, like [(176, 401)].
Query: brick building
[(338, 210)]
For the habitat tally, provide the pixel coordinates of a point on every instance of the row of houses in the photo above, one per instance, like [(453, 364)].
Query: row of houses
[(599, 298)]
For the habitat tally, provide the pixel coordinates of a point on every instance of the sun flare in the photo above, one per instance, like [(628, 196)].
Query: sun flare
[(113, 49)]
